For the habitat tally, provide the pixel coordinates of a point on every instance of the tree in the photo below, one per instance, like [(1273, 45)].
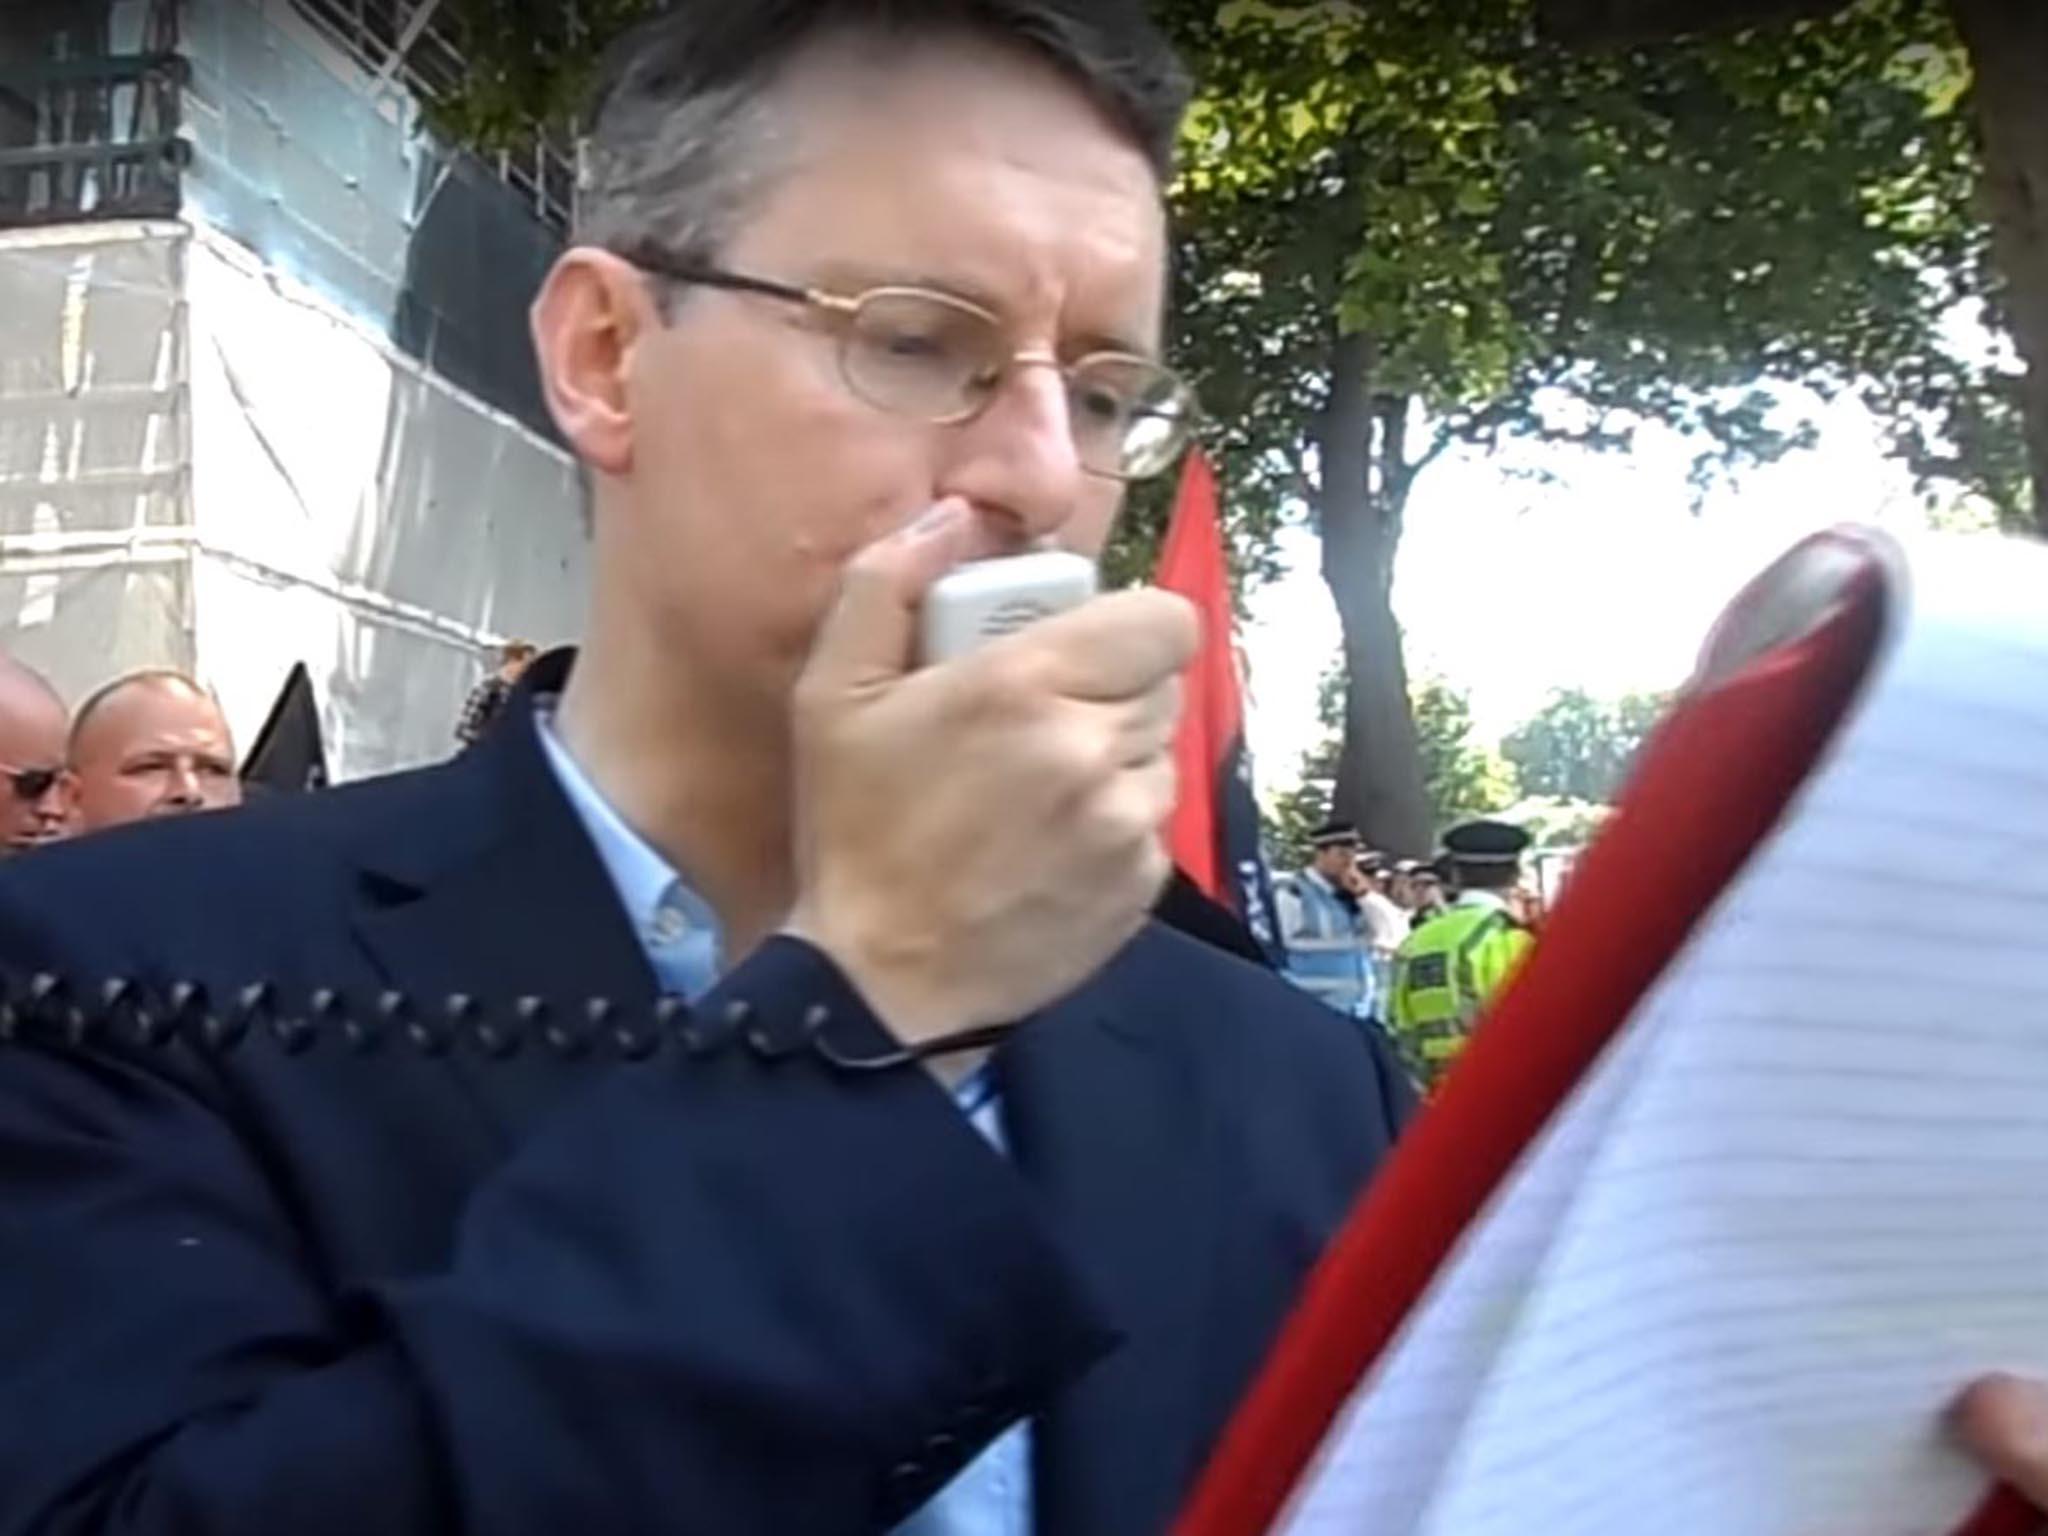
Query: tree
[(1405, 226), (1294, 814), (1464, 778), (1636, 715), (1578, 748), (528, 65), (2007, 63), (1556, 822)]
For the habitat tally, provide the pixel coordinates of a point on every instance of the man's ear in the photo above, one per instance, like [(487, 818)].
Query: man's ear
[(590, 312)]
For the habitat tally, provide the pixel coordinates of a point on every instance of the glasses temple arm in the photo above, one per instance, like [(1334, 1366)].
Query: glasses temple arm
[(661, 264)]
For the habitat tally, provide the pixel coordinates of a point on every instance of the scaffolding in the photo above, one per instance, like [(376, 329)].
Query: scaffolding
[(411, 43), (89, 133), (246, 423), (85, 132)]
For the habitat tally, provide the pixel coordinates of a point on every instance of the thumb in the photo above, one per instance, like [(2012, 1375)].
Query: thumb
[(2004, 1420), (869, 635)]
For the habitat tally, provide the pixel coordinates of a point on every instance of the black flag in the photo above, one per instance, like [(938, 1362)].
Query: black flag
[(288, 757)]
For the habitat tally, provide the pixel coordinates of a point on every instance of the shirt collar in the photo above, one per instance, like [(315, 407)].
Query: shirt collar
[(652, 892), (642, 877)]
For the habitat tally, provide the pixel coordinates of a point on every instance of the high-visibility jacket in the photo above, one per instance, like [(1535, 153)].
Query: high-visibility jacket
[(1327, 952), (1445, 974)]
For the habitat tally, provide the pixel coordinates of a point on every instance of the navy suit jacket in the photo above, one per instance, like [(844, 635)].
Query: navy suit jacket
[(399, 1295)]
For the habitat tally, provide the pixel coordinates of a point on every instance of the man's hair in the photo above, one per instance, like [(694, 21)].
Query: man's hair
[(106, 692), (683, 104), (517, 650)]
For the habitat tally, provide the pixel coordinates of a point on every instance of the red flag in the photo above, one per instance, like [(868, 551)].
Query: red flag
[(1214, 833), (1192, 563)]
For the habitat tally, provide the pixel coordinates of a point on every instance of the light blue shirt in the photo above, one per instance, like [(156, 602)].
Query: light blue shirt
[(679, 932)]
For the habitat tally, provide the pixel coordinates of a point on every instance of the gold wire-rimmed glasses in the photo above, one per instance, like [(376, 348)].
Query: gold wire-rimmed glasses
[(922, 353)]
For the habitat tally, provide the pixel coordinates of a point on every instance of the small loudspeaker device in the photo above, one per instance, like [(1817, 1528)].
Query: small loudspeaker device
[(987, 599)]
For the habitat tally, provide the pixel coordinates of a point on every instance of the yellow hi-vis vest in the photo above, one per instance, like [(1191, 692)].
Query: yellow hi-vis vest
[(1443, 977)]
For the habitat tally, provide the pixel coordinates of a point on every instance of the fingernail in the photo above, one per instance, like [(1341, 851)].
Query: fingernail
[(938, 515), (2011, 1409), (2027, 1403)]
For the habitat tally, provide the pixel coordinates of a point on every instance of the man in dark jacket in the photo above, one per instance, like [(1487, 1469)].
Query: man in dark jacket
[(947, 1194), (944, 1193)]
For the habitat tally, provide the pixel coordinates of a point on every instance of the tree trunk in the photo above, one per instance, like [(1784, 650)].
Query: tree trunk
[(1379, 772), (2008, 44)]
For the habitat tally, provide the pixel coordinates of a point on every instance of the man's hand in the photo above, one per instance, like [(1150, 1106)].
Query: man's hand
[(2003, 1421), (976, 839)]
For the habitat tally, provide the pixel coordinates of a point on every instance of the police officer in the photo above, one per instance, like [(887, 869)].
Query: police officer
[(1423, 893), (1327, 952), (1445, 973)]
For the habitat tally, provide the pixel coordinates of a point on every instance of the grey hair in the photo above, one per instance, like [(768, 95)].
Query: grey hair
[(682, 126), (669, 172)]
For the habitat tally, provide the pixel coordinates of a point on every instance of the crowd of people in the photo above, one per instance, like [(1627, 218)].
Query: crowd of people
[(1416, 949), (147, 744)]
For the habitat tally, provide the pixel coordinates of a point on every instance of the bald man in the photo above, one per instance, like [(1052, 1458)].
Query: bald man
[(151, 744), (37, 803)]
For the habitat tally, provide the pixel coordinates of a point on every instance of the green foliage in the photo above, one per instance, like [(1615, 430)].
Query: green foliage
[(1558, 822), (1465, 777), (1540, 245), (1288, 819), (530, 65), (1555, 247), (1580, 748), (1294, 813)]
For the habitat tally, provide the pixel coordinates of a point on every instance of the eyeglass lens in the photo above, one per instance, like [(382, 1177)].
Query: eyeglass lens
[(923, 355)]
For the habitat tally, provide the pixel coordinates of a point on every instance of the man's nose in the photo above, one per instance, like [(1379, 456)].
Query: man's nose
[(184, 789), (53, 806), (1017, 461)]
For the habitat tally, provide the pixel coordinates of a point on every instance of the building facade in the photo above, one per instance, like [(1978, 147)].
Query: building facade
[(266, 395)]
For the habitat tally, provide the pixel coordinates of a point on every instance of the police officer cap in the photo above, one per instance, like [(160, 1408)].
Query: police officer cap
[(1486, 842), (1334, 834)]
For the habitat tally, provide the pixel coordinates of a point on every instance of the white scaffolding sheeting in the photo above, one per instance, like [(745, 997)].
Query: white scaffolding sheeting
[(204, 467), (94, 451)]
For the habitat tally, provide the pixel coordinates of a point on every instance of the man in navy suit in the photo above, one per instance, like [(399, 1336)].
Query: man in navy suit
[(860, 291)]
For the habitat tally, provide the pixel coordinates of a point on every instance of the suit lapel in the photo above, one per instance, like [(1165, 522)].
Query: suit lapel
[(490, 887), (1106, 1125)]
